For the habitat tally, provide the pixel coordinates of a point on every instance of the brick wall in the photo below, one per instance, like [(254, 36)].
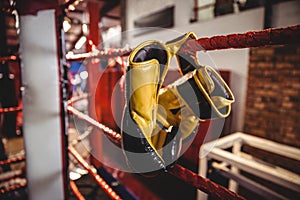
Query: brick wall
[(273, 95)]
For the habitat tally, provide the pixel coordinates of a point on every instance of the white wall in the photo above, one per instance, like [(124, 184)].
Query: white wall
[(139, 8), (286, 14)]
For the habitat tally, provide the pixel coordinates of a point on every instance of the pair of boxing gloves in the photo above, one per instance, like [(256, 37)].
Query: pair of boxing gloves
[(157, 120)]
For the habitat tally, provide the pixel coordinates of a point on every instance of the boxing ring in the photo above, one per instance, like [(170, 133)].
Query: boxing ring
[(278, 36)]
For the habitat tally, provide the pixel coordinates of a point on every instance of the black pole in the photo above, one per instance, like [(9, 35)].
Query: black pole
[(268, 14), (3, 52)]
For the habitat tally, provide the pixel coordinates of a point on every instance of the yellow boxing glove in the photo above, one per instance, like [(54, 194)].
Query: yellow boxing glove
[(199, 95), (148, 64), (147, 127)]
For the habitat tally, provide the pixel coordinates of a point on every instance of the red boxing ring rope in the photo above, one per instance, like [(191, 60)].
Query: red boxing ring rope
[(12, 160), (76, 191), (111, 53), (8, 58), (10, 109), (109, 132), (79, 98), (203, 184), (272, 36), (110, 192), (178, 171), (12, 188), (5, 176)]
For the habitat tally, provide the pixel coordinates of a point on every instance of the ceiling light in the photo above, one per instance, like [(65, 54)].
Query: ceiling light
[(69, 54), (84, 28), (80, 42), (74, 176), (66, 25), (71, 7), (83, 75)]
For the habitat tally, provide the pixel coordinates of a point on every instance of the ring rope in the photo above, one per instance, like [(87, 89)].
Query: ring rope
[(203, 184), (111, 53), (12, 160), (5, 176), (109, 132), (10, 109), (272, 36), (83, 136), (78, 98), (93, 172), (13, 187), (76, 191), (178, 171), (8, 58)]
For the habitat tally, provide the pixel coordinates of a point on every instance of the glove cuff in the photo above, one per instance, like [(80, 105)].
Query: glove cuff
[(206, 93), (174, 45), (186, 60)]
